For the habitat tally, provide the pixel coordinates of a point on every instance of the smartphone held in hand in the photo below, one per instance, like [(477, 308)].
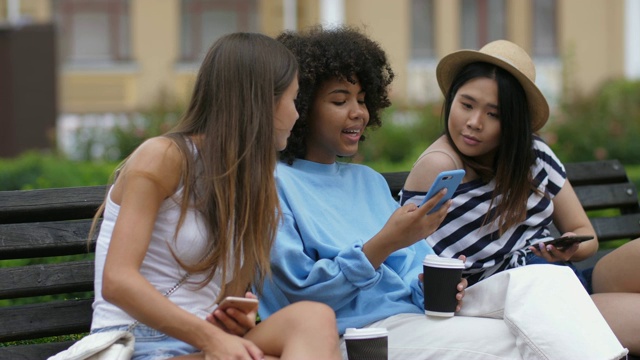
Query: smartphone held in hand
[(566, 241), (245, 305), (446, 179)]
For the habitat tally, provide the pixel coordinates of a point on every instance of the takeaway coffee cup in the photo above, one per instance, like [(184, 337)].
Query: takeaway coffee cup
[(441, 276), (367, 343)]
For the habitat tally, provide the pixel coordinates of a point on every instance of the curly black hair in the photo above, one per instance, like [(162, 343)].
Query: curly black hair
[(325, 54)]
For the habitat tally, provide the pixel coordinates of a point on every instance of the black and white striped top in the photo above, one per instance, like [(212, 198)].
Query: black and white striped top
[(488, 253)]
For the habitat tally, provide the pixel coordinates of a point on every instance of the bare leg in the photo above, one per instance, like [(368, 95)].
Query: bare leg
[(616, 287), (622, 313), (618, 271), (200, 356), (303, 330)]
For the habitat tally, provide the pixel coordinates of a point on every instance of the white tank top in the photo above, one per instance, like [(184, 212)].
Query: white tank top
[(159, 266)]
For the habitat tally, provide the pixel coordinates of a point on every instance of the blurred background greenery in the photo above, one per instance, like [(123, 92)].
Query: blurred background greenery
[(603, 126)]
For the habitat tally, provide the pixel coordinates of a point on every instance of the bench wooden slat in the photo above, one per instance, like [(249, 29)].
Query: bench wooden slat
[(21, 241), (594, 197), (33, 352), (46, 279), (395, 181), (596, 172), (625, 226), (35, 321), (50, 204)]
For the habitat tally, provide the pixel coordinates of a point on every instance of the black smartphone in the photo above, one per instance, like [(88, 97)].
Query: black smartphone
[(447, 179), (567, 241)]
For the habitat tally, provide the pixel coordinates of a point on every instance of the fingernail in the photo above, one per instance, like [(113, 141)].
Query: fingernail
[(549, 248)]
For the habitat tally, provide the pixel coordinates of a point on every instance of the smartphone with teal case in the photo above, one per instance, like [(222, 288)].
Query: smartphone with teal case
[(447, 179)]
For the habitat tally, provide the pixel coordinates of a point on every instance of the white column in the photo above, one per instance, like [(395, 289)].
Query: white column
[(632, 39), (290, 15), (13, 11), (332, 13)]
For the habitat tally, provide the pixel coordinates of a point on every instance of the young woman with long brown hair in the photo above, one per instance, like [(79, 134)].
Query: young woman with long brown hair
[(197, 210)]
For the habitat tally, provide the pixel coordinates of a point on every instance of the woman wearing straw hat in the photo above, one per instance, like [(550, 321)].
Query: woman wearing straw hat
[(514, 186)]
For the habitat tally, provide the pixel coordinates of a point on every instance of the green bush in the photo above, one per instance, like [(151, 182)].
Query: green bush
[(404, 135), (604, 125), (35, 170)]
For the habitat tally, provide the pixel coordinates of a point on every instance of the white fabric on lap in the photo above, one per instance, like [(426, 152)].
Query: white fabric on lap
[(419, 337), (548, 311), (532, 312)]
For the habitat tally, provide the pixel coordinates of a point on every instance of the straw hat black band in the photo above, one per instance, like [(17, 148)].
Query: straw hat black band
[(507, 56)]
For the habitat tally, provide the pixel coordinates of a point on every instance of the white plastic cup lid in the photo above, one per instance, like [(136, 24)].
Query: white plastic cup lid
[(442, 262), (365, 333)]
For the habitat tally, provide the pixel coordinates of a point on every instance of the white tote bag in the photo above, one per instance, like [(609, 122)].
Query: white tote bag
[(108, 345), (111, 345)]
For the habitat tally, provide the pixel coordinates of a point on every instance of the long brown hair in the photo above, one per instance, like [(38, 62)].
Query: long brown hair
[(231, 180)]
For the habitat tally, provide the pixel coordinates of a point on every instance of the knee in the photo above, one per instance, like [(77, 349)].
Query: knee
[(315, 314)]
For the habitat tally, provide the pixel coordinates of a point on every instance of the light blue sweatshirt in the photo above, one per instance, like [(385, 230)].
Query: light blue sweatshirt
[(329, 212)]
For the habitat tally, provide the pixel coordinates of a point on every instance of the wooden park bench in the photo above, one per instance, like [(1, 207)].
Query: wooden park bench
[(47, 223)]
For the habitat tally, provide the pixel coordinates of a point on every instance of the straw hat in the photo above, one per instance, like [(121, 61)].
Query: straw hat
[(509, 57)]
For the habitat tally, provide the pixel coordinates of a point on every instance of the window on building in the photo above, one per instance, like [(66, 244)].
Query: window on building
[(482, 21), (93, 31), (204, 21), (422, 30), (544, 28)]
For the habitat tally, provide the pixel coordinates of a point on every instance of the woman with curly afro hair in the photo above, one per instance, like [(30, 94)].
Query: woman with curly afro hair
[(337, 54), (343, 239)]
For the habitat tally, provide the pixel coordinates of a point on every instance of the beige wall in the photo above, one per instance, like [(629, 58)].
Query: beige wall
[(271, 16), (308, 12), (155, 47), (447, 27), (386, 22), (519, 23), (87, 92), (591, 41)]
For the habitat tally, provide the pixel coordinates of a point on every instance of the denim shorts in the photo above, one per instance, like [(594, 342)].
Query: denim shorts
[(584, 276), (151, 344)]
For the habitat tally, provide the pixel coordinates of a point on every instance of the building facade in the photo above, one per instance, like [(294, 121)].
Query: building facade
[(119, 56)]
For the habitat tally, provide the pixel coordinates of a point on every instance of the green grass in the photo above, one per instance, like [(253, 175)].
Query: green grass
[(61, 338)]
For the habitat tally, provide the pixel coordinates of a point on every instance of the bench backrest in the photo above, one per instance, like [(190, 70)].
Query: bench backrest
[(41, 224), (55, 222)]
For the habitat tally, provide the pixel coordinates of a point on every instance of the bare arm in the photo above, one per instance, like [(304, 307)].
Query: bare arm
[(570, 217), (427, 168), (151, 175)]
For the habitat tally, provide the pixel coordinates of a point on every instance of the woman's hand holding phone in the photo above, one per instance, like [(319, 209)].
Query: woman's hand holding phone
[(236, 315), (559, 249), (407, 225)]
